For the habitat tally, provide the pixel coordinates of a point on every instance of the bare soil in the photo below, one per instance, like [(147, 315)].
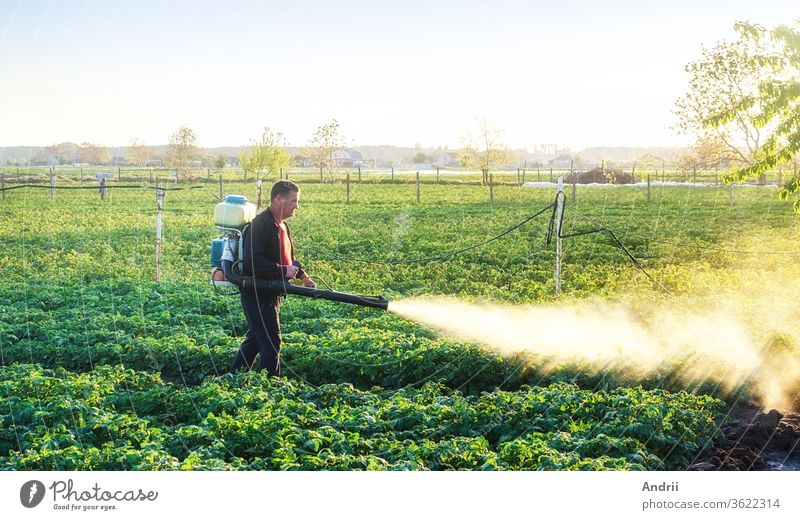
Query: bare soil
[(752, 439)]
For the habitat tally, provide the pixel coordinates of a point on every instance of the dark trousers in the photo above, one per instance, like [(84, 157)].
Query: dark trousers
[(263, 335)]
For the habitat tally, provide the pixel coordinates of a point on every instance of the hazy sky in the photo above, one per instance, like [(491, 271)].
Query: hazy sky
[(392, 72)]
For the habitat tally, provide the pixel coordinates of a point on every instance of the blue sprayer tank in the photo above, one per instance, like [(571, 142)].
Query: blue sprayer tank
[(217, 247)]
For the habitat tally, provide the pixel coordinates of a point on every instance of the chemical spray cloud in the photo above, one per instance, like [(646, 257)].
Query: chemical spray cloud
[(729, 340)]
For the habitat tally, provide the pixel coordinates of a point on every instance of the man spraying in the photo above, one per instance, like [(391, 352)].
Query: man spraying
[(268, 253)]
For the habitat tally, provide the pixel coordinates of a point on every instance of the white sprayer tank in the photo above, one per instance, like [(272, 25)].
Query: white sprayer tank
[(234, 212)]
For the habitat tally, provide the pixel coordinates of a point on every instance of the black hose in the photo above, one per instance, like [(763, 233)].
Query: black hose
[(275, 287)]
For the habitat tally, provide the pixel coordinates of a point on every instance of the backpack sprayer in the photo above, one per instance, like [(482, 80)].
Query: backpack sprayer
[(232, 217)]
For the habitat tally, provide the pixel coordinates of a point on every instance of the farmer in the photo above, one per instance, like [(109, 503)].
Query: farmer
[(268, 254)]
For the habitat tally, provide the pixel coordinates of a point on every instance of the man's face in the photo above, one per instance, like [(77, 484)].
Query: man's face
[(290, 204)]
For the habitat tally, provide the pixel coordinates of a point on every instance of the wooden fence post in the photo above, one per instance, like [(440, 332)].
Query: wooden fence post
[(648, 188), (159, 219), (491, 191), (103, 189), (347, 190), (220, 185), (417, 187), (359, 174), (3, 184), (52, 187)]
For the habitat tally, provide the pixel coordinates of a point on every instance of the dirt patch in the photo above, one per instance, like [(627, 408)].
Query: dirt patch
[(754, 440)]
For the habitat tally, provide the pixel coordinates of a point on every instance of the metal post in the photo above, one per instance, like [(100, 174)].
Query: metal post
[(119, 174), (551, 172), (52, 187), (392, 173), (159, 219), (437, 175), (538, 173), (417, 187), (359, 174), (258, 194), (730, 195), (559, 248), (220, 185), (491, 191), (648, 188), (347, 191), (80, 179)]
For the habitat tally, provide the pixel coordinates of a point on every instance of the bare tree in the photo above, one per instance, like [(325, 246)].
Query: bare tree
[(483, 148), (138, 152), (182, 146), (326, 140), (93, 153)]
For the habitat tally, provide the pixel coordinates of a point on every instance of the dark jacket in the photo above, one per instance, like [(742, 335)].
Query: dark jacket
[(262, 248)]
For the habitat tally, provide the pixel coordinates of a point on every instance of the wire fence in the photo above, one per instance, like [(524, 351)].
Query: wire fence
[(406, 174)]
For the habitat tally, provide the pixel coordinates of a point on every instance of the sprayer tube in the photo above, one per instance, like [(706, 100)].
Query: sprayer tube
[(284, 287)]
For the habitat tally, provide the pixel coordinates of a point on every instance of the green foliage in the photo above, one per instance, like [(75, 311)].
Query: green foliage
[(774, 103), (266, 154), (114, 418), (104, 369)]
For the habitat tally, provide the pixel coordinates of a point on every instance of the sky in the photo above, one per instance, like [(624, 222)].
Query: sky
[(575, 74)]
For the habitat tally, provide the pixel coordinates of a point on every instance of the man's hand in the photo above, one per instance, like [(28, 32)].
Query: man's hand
[(291, 271), (308, 282)]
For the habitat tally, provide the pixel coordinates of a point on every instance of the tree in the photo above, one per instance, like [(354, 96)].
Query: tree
[(266, 154), (182, 146), (220, 161), (326, 139), (772, 106), (420, 158), (778, 101), (708, 152), (93, 153), (483, 149), (138, 152), (722, 76)]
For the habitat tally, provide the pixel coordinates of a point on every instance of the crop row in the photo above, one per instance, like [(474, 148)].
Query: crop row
[(116, 418), (186, 333)]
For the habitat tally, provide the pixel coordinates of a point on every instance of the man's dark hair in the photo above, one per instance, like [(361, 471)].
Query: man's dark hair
[(283, 188)]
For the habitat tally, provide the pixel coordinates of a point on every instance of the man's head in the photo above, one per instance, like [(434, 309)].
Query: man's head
[(284, 199)]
